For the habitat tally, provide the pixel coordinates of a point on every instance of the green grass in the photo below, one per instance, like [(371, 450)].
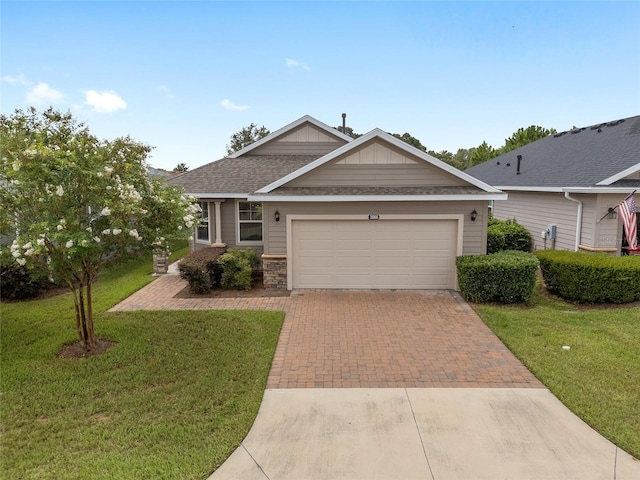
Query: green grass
[(172, 399), (598, 378)]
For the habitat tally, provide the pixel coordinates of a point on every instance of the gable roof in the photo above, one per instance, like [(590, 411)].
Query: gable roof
[(591, 158), (237, 177), (293, 125), (378, 134)]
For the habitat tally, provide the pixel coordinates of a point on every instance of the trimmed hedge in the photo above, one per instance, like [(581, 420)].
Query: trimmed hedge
[(591, 277), (201, 269), (507, 235), (504, 277)]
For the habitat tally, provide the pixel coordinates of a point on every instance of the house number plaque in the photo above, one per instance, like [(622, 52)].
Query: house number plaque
[(374, 217)]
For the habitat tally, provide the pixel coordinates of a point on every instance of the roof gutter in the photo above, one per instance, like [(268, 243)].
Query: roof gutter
[(578, 220)]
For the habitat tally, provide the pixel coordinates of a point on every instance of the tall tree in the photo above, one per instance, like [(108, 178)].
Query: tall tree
[(181, 167), (523, 136), (482, 153), (411, 140), (77, 202), (245, 137)]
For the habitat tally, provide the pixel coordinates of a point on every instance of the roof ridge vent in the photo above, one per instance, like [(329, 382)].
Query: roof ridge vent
[(577, 130), (614, 123)]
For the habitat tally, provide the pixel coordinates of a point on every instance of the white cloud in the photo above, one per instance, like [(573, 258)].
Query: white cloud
[(296, 63), (19, 79), (43, 93), (104, 102), (232, 106)]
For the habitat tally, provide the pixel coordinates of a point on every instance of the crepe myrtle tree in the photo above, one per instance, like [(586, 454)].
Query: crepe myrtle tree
[(76, 202)]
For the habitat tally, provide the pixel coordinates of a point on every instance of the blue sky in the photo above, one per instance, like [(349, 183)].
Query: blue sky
[(184, 76)]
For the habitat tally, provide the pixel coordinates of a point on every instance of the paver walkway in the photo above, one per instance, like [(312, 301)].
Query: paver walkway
[(367, 339)]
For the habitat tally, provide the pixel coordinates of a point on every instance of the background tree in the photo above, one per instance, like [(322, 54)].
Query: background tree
[(524, 136), (76, 202), (411, 140), (246, 136), (181, 167), (348, 131), (482, 153)]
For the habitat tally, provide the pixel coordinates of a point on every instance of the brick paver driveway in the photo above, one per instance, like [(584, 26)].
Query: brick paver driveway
[(366, 339), (378, 339)]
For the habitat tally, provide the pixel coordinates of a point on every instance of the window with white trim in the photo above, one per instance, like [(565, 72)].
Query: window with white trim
[(202, 233), (250, 222)]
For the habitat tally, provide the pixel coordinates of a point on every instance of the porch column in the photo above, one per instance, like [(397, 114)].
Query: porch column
[(218, 227)]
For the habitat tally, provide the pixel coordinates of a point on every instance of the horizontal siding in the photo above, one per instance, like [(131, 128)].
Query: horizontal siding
[(390, 175), (608, 232), (535, 211), (474, 239)]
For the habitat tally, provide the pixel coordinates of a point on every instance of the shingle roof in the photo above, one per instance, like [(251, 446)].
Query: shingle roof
[(240, 175), (577, 158)]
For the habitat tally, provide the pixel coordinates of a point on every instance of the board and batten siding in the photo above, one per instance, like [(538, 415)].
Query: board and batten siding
[(305, 140), (474, 234), (376, 164)]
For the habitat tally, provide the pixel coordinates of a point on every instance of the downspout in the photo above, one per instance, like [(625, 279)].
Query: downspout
[(578, 220)]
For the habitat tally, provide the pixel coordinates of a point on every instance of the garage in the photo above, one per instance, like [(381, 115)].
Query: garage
[(374, 254)]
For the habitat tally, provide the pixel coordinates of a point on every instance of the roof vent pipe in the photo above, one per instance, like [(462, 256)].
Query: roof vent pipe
[(344, 123), (518, 167)]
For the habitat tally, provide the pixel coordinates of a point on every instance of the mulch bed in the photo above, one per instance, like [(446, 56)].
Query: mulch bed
[(76, 350), (257, 291)]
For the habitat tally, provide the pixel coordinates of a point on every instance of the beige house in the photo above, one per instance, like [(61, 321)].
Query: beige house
[(328, 211), (565, 188)]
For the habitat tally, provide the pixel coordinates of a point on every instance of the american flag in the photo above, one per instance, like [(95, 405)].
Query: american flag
[(627, 211)]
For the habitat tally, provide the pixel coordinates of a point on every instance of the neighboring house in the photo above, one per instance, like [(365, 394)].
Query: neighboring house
[(328, 211), (570, 180)]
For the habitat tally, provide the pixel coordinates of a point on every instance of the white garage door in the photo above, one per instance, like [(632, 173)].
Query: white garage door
[(364, 254)]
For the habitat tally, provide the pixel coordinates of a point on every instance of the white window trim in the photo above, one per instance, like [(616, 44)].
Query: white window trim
[(208, 241), (247, 242)]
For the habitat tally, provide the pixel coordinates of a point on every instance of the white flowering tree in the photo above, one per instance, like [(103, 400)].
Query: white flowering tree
[(76, 202)]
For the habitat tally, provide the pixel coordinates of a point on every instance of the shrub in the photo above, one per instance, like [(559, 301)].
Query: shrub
[(201, 269), (237, 268), (507, 235), (505, 277), (591, 277), (19, 282)]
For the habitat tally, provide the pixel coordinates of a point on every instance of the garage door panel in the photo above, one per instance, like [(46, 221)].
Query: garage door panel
[(388, 254)]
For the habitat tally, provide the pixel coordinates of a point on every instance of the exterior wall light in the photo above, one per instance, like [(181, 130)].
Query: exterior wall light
[(276, 216), (474, 215), (612, 213)]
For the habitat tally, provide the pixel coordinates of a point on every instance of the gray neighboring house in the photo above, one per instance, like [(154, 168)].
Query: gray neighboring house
[(327, 211), (570, 180)]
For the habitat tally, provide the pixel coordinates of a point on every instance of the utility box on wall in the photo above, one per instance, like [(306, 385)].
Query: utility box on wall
[(551, 231)]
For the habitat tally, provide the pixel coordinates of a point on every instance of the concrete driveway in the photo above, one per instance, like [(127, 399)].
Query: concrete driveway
[(399, 385), (409, 385)]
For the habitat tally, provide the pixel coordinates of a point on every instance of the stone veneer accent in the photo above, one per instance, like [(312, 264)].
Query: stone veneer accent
[(274, 271)]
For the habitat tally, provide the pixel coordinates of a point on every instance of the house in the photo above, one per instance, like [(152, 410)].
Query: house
[(565, 188), (327, 211)]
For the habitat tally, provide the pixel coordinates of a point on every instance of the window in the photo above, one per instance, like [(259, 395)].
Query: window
[(203, 227), (250, 221)]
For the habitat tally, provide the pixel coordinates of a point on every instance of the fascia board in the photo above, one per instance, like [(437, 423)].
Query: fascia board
[(625, 190), (620, 175), (287, 128), (218, 195), (390, 139), (530, 189), (374, 198)]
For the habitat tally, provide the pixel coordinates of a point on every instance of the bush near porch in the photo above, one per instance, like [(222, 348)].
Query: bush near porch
[(504, 277), (507, 235), (217, 267), (591, 278)]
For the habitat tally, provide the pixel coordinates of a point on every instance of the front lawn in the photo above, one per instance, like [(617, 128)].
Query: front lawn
[(598, 378), (172, 398)]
